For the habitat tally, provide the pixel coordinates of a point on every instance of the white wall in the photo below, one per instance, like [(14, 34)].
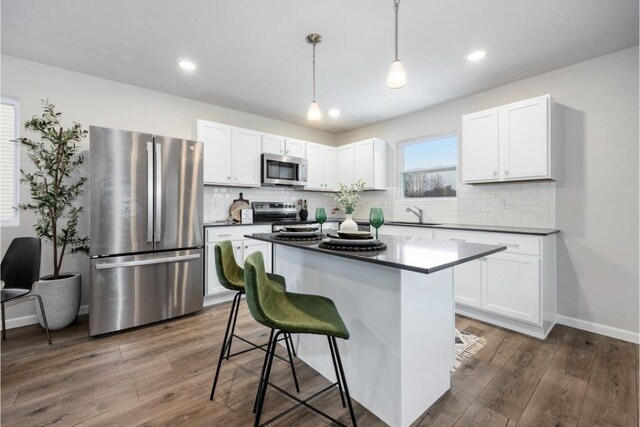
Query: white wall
[(597, 197), (95, 101)]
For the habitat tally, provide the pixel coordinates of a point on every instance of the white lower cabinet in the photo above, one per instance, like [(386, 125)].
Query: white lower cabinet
[(465, 280), (515, 288), (242, 248), (511, 286)]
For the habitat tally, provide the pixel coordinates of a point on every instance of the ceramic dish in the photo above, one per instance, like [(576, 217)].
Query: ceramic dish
[(352, 242), (298, 233), (355, 235), (300, 228)]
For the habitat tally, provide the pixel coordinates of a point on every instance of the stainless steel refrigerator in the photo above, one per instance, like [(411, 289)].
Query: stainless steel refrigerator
[(146, 229)]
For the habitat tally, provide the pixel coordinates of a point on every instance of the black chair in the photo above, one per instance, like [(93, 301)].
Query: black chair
[(20, 269)]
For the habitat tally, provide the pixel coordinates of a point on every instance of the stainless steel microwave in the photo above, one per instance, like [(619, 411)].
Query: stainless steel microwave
[(283, 170)]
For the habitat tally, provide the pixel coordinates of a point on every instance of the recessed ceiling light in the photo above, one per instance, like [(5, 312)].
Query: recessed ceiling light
[(476, 55), (334, 112), (187, 65)]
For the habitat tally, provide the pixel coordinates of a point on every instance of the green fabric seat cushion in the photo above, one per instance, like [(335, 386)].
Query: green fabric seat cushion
[(290, 312), (230, 274)]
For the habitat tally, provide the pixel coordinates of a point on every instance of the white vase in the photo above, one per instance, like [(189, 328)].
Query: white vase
[(348, 224), (61, 299)]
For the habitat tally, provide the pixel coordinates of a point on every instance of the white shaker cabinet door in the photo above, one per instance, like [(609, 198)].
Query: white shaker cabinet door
[(295, 148), (480, 146), (251, 246), (346, 164), (511, 286), (273, 144), (525, 139), (467, 283), (364, 163), (315, 167), (330, 169), (217, 143), (246, 157)]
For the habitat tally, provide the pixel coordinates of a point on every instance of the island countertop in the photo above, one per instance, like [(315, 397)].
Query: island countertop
[(406, 253)]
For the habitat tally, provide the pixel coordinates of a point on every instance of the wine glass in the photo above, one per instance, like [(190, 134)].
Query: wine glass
[(376, 219), (321, 217)]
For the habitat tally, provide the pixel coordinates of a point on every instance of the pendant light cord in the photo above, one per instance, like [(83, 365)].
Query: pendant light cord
[(314, 72), (396, 6)]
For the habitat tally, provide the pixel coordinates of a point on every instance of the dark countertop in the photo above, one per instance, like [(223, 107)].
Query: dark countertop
[(290, 222), (407, 253), (471, 227)]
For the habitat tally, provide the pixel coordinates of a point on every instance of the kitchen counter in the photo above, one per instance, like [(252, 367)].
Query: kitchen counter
[(398, 305), (405, 253), (276, 222), (472, 227)]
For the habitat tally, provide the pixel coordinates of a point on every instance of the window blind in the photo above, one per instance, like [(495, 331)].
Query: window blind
[(9, 171)]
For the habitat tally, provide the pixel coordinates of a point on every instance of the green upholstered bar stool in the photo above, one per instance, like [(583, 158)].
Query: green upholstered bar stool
[(287, 313), (231, 276)]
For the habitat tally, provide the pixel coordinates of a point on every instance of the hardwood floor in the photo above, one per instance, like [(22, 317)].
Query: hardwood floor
[(161, 375)]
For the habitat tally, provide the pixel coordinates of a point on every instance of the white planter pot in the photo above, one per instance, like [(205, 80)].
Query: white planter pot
[(61, 299), (349, 224)]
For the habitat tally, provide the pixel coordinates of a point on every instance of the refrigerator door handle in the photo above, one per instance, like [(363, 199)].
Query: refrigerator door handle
[(105, 266), (158, 210), (149, 192)]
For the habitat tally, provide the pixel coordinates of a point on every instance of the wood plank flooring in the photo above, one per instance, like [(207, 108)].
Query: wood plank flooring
[(161, 375)]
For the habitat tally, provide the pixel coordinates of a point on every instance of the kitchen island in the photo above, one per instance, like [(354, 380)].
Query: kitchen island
[(399, 307)]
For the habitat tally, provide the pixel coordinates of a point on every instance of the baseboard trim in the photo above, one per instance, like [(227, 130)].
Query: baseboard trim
[(597, 328), (32, 319)]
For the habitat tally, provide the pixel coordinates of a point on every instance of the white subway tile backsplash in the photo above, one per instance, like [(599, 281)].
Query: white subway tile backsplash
[(525, 204)]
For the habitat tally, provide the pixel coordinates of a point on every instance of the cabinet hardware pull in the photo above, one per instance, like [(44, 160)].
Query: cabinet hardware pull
[(457, 240), (224, 235), (511, 245), (506, 171), (495, 173)]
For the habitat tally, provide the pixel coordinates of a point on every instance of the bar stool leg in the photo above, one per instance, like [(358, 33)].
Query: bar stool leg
[(4, 324), (233, 325), (265, 382), (264, 368), (335, 367), (293, 348), (293, 368), (224, 346), (344, 382)]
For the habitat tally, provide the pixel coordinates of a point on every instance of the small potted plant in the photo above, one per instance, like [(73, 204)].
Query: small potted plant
[(348, 198), (55, 186), (304, 212)]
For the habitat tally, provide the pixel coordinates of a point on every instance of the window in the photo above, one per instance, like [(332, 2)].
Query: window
[(9, 161), (429, 167)]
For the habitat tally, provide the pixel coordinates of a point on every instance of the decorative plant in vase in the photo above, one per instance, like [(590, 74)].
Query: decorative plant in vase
[(348, 197), (304, 212), (55, 186)]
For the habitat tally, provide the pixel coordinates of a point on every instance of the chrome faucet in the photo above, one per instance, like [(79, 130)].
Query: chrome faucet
[(417, 213)]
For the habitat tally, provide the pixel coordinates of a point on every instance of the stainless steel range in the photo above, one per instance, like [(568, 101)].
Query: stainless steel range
[(274, 211)]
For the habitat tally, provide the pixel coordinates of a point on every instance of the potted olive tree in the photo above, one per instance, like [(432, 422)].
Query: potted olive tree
[(55, 186)]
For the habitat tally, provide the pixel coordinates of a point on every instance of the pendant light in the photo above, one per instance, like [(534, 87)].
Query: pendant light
[(314, 113), (396, 78)]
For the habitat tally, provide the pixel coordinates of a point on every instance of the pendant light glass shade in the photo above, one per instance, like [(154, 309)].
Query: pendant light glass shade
[(314, 113), (396, 78)]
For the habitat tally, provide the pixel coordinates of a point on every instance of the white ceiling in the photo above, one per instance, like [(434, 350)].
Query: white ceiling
[(252, 56)]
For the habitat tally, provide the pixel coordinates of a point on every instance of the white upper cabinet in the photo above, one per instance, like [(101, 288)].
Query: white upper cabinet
[(216, 139), (525, 139), (480, 147), (284, 146), (273, 144), (321, 168), (346, 164), (246, 157), (509, 143), (295, 148), (365, 160), (231, 155)]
